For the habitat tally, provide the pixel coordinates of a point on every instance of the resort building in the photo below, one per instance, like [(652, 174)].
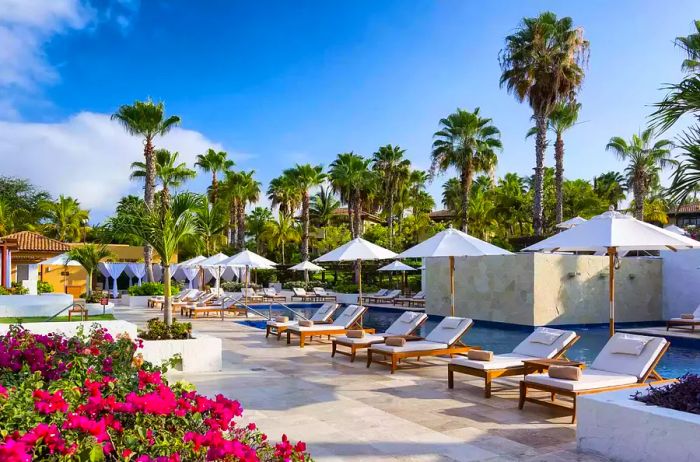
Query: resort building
[(686, 215)]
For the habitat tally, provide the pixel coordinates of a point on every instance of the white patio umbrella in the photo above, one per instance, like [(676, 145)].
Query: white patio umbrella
[(676, 229), (614, 232), (213, 265), (306, 266), (570, 223), (398, 266), (357, 250), (249, 260), (452, 243)]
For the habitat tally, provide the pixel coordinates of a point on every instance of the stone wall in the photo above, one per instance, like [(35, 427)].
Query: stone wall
[(541, 289), (681, 282)]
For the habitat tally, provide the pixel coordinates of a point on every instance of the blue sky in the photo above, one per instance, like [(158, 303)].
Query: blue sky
[(276, 83)]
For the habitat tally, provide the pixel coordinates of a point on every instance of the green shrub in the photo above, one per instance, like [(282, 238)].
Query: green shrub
[(44, 287), (95, 297), (308, 286), (4, 291), (351, 288), (156, 329), (232, 286), (152, 288)]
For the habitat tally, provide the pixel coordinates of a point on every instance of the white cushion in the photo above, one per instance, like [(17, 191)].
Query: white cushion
[(540, 350), (449, 335), (628, 345), (367, 339), (349, 315), (316, 328), (419, 345), (282, 324), (506, 361), (408, 317), (325, 312), (545, 336), (590, 380), (402, 327), (696, 319), (629, 364), (298, 291)]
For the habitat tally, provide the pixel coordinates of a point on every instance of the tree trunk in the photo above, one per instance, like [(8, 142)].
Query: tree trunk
[(167, 311), (233, 224), (88, 289), (214, 187), (305, 227), (241, 226), (639, 193), (358, 214), (148, 195), (165, 198), (559, 178), (283, 252), (540, 145), (351, 220), (466, 181), (390, 218)]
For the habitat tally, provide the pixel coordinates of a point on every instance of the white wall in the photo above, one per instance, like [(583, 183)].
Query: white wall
[(681, 282), (25, 306), (70, 328)]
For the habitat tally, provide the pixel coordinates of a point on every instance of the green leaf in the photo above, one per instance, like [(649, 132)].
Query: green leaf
[(96, 454)]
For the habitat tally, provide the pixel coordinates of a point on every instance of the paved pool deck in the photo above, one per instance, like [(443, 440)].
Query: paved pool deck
[(347, 412)]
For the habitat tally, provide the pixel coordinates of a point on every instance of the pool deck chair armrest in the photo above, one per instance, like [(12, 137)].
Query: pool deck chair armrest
[(609, 371), (510, 364), (443, 340)]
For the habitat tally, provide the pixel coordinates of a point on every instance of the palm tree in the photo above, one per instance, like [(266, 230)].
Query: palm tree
[(467, 142), (211, 220), (65, 220), (282, 192), (481, 215), (686, 178), (257, 220), (351, 178), (305, 177), (393, 169), (611, 187), (452, 196), (542, 63), (169, 173), (147, 120), (645, 157), (249, 193), (214, 162), (280, 233), (322, 207), (563, 116), (89, 256), (164, 230), (7, 217), (510, 197)]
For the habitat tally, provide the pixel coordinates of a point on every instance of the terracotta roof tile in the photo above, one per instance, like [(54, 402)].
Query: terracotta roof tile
[(689, 208), (31, 241)]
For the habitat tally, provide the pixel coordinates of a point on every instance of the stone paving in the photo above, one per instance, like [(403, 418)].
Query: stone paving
[(345, 411)]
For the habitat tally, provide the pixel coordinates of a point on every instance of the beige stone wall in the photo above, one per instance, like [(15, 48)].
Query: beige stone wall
[(540, 289)]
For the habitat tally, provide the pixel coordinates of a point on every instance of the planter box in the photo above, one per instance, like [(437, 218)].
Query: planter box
[(70, 328), (140, 301), (200, 354), (616, 426), (96, 308)]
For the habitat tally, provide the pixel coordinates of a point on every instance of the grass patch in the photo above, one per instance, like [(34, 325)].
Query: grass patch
[(31, 319)]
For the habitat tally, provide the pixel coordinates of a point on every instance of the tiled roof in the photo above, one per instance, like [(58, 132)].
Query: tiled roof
[(31, 241), (441, 214), (689, 208)]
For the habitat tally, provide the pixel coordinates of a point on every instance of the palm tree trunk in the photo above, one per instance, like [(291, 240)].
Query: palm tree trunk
[(165, 198), (282, 252), (241, 226), (639, 193), (466, 180), (351, 220), (390, 218), (148, 195), (305, 228), (233, 224), (540, 145), (559, 177), (167, 311), (358, 214), (214, 187)]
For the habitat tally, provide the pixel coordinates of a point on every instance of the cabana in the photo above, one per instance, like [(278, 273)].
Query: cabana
[(112, 270)]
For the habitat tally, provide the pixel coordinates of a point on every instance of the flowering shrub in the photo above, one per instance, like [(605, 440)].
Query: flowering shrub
[(683, 395), (88, 398), (156, 329)]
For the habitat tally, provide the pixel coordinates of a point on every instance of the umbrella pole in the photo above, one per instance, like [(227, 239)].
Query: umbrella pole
[(452, 286), (612, 252), (359, 286)]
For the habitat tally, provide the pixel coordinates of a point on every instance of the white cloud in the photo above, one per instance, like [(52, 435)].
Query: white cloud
[(86, 156)]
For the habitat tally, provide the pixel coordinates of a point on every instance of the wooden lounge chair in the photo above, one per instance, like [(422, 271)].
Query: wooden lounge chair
[(444, 339), (270, 295), (248, 295), (613, 369), (302, 296), (405, 325), (347, 320), (510, 364), (388, 298), (684, 323), (323, 296), (324, 315), (418, 299), (219, 307), (184, 305), (159, 300)]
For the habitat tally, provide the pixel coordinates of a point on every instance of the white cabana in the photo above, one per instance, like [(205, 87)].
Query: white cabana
[(570, 223), (112, 270), (179, 274), (358, 250), (135, 270), (614, 232), (213, 267), (452, 243), (676, 229), (59, 260)]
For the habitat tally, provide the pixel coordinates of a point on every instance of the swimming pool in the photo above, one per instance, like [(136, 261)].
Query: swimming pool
[(502, 338)]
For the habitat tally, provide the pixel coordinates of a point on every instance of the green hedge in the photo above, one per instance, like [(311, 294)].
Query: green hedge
[(152, 288)]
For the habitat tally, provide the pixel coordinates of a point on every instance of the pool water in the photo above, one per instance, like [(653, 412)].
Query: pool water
[(502, 338)]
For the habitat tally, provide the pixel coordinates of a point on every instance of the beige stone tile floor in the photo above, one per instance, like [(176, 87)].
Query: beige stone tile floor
[(347, 412)]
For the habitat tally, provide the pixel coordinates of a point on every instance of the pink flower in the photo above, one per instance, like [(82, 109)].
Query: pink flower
[(48, 403)]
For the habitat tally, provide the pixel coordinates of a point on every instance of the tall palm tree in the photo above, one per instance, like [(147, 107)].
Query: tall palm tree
[(542, 63), (686, 178), (169, 173), (452, 196), (281, 232), (467, 142), (611, 187), (322, 207), (510, 197), (645, 157), (65, 220), (89, 256), (481, 215), (393, 169), (351, 178), (164, 230), (283, 193), (563, 116), (305, 177), (257, 221), (249, 194), (214, 161), (147, 120), (211, 220)]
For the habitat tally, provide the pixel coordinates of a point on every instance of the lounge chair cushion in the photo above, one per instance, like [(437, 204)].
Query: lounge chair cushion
[(686, 320), (349, 315), (590, 380), (628, 364), (298, 291), (366, 340), (324, 312), (505, 361), (544, 336), (540, 350), (449, 330), (628, 345), (406, 323), (282, 324), (316, 328), (419, 345)]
